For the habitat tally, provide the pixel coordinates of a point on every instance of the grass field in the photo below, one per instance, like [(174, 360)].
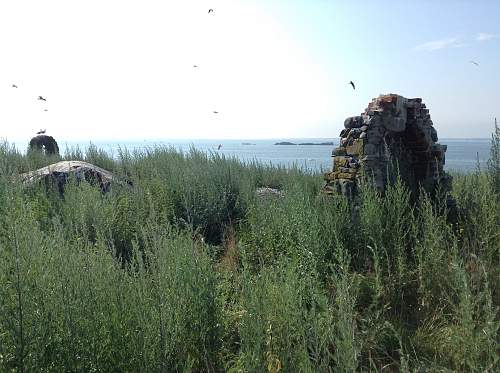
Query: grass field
[(190, 271)]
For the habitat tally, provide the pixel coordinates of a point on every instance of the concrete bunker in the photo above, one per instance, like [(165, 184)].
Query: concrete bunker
[(58, 175)]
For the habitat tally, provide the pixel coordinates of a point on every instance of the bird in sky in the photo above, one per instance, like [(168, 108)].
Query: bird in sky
[(216, 112), (351, 83), (40, 98), (41, 132), (474, 62), (220, 146), (45, 109), (210, 11), (14, 86), (195, 65)]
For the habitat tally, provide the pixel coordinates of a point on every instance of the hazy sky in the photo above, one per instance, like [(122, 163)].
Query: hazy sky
[(271, 68)]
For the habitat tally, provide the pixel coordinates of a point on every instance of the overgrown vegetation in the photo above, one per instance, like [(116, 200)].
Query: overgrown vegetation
[(189, 271)]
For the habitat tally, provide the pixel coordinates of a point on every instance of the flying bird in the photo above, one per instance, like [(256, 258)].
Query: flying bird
[(474, 62), (40, 98), (216, 112), (45, 109), (14, 86), (351, 83), (41, 132), (210, 11), (220, 146), (195, 65)]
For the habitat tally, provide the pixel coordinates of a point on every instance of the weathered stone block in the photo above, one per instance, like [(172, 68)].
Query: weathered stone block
[(394, 124), (354, 133), (341, 162), (339, 151), (348, 170), (356, 148), (371, 149), (353, 122)]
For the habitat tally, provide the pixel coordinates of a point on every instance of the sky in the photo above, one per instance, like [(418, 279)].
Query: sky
[(124, 70)]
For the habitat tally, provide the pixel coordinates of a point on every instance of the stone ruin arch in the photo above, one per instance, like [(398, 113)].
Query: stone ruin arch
[(46, 144), (393, 135)]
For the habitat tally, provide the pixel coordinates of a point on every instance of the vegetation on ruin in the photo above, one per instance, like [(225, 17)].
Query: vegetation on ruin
[(188, 270)]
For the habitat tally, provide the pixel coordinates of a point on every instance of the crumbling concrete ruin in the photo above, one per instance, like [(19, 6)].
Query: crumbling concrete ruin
[(393, 136), (59, 174)]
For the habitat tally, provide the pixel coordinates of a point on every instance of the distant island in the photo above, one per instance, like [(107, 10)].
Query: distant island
[(330, 143), (247, 143)]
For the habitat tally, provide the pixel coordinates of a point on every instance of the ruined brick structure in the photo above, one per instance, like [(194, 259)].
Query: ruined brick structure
[(394, 135)]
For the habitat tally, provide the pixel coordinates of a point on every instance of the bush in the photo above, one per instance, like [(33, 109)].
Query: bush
[(188, 270)]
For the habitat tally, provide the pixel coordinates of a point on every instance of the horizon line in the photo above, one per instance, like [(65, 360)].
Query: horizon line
[(117, 140)]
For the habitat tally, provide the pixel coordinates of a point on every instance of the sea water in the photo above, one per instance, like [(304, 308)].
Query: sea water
[(462, 154)]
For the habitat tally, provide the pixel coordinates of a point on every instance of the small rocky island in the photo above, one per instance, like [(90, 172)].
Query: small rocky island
[(329, 143)]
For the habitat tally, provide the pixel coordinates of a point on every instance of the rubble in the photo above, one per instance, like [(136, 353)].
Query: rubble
[(392, 131), (268, 193)]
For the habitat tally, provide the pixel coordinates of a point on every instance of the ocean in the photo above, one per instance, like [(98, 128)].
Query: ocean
[(462, 154)]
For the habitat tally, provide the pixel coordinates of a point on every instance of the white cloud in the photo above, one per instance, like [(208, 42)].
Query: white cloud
[(435, 45), (482, 36)]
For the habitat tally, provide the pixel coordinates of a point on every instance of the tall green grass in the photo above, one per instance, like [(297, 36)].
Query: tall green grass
[(188, 270)]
